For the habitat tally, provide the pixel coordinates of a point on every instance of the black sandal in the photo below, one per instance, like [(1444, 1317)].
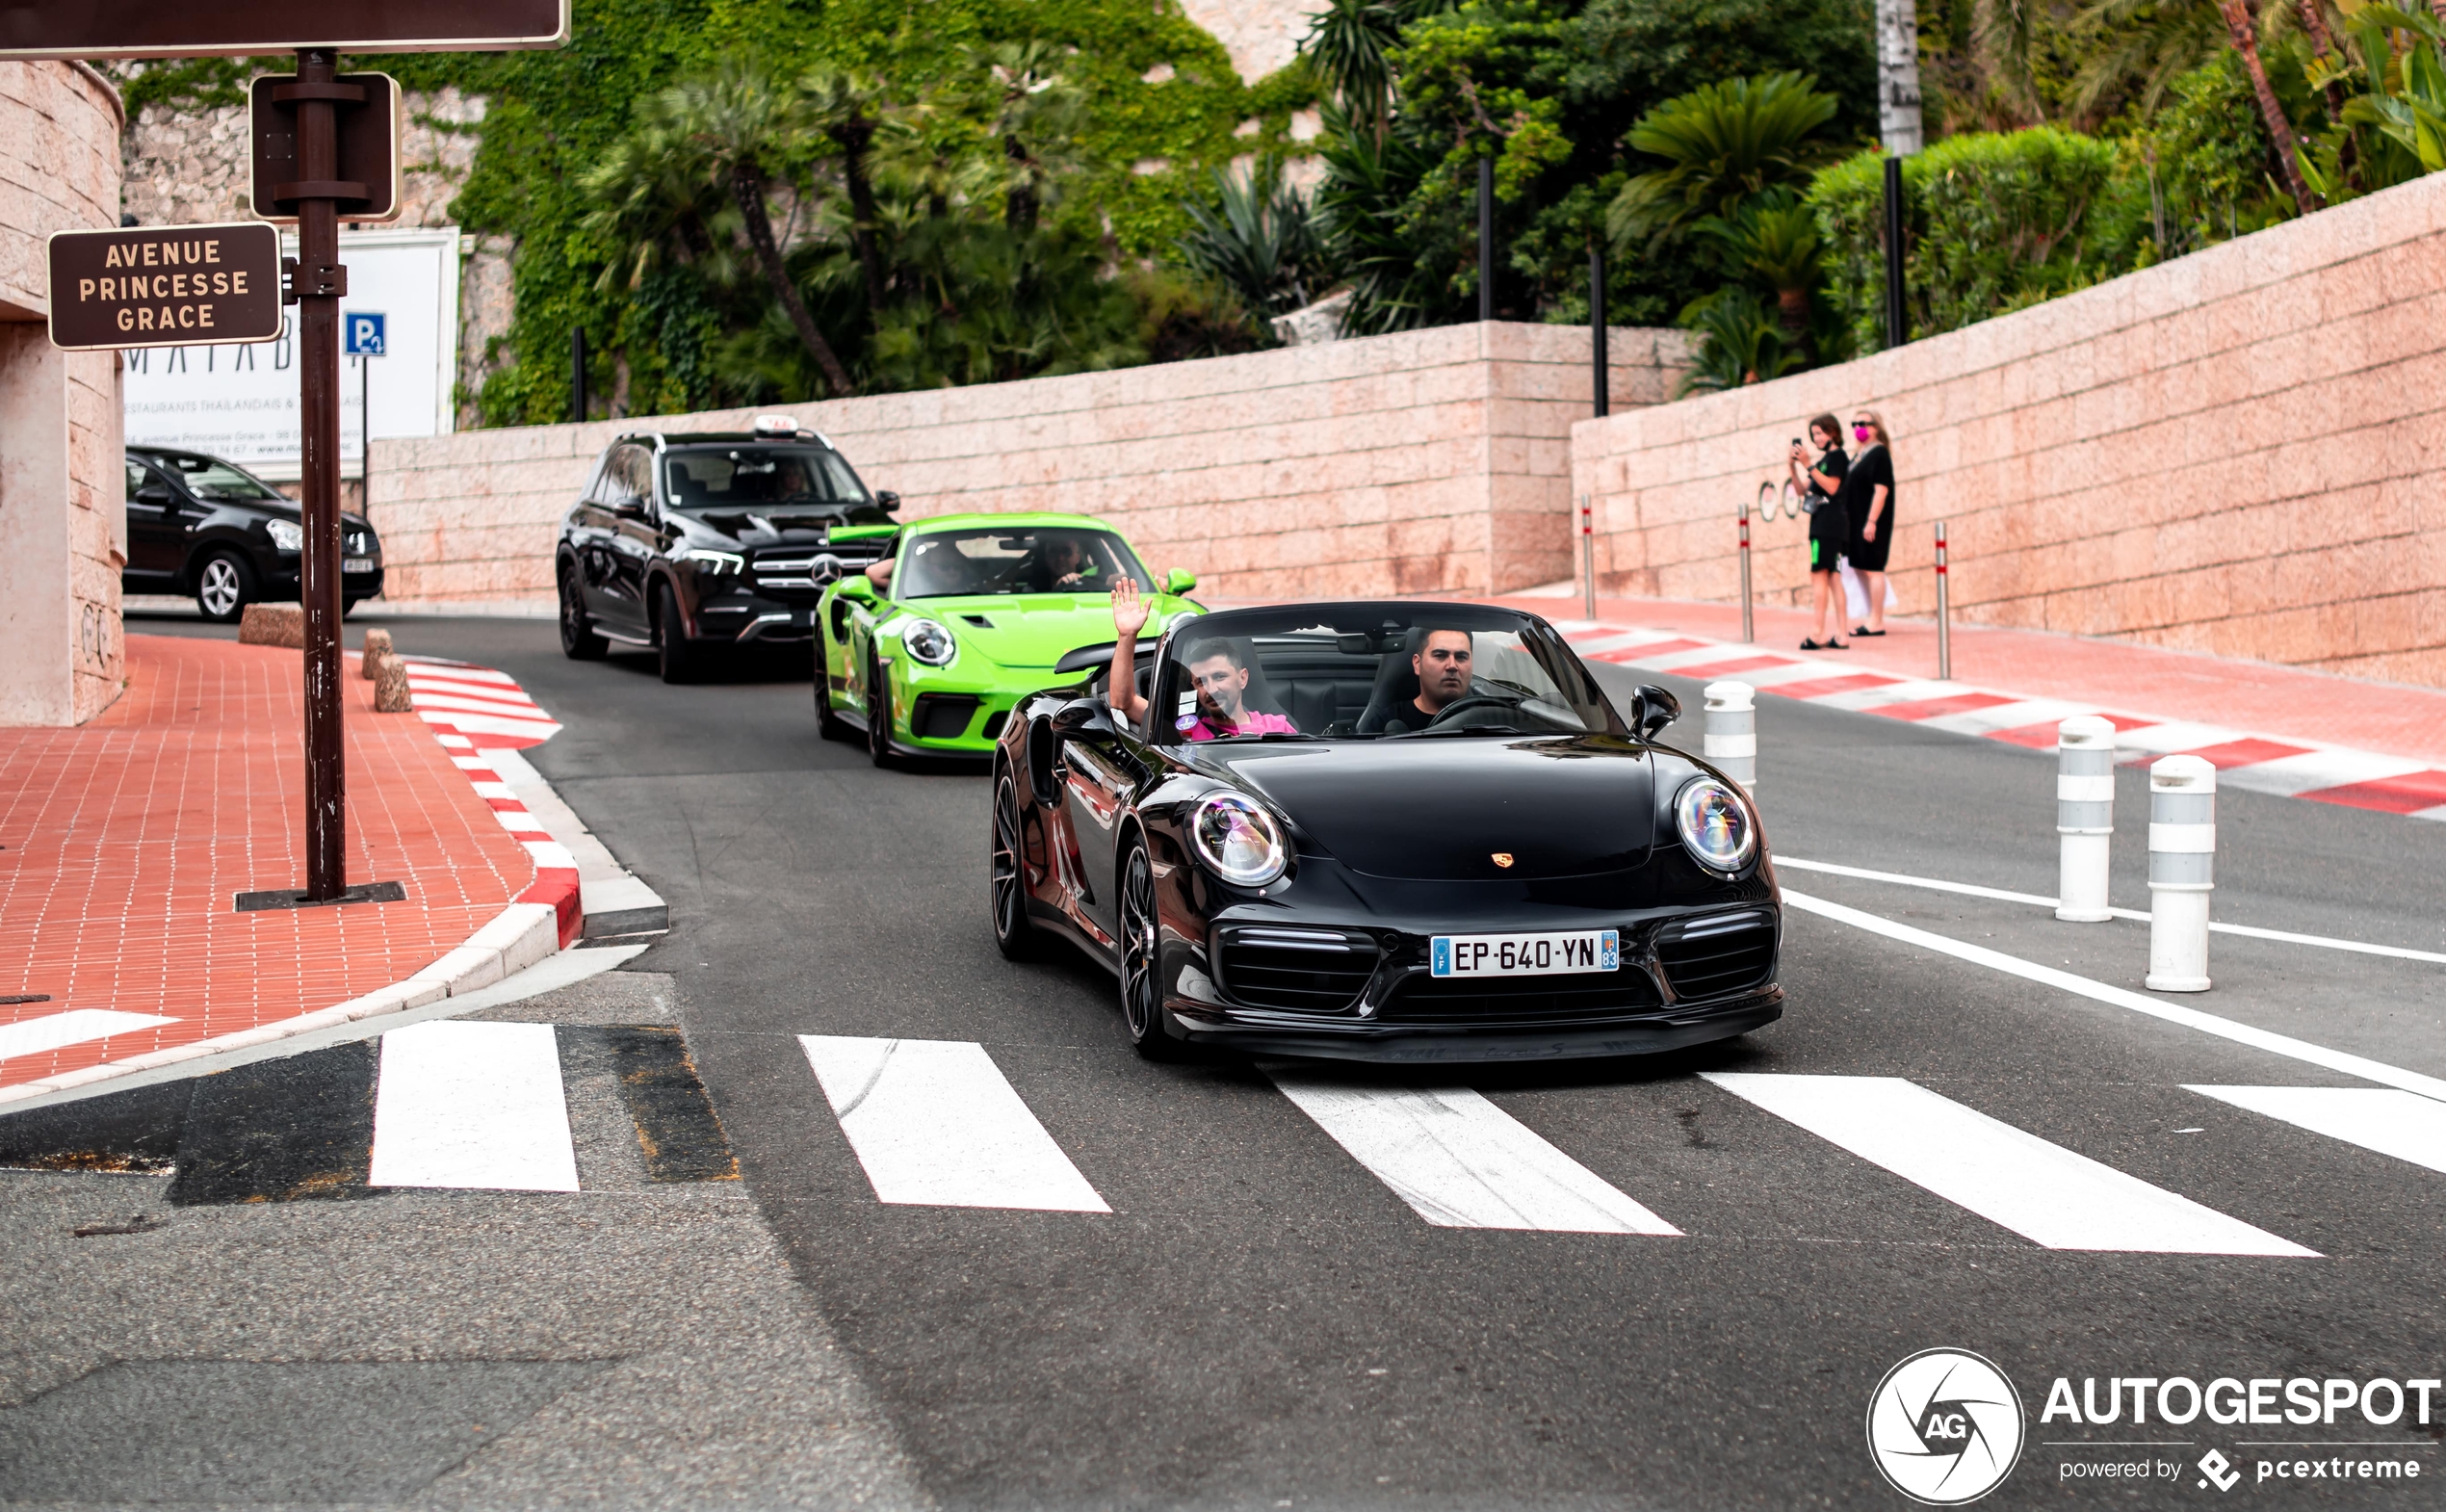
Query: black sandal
[(1822, 645), (1863, 629)]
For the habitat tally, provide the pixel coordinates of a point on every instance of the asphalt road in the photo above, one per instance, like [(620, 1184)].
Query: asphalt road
[(1260, 1322)]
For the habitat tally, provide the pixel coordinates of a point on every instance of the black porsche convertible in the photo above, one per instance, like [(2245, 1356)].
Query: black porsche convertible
[(1386, 831)]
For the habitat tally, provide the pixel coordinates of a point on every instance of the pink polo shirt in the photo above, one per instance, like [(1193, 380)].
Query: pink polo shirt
[(1254, 722)]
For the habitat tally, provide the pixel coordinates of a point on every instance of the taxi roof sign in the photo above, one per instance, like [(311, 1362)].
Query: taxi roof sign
[(150, 29)]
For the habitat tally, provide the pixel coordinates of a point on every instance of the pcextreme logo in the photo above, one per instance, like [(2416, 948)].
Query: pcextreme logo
[(1945, 1427)]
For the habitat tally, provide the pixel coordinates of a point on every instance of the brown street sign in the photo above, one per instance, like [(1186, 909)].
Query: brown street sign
[(165, 286), (153, 28), (365, 115)]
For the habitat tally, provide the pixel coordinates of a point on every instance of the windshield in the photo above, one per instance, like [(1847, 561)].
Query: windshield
[(761, 477), (1028, 559), (1372, 672), (211, 479)]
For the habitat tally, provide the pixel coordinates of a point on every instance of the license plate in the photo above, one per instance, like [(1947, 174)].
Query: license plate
[(1525, 954), (357, 563)]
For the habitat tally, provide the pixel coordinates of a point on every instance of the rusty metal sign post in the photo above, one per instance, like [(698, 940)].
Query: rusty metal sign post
[(303, 126)]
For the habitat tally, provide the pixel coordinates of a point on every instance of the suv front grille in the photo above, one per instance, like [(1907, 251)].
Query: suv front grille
[(1715, 956), (1300, 971), (1581, 995)]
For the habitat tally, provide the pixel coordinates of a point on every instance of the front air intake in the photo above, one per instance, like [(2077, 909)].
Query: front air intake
[(1714, 956), (1297, 970)]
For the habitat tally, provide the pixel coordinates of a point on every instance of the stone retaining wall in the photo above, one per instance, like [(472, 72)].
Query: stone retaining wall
[(1428, 461), (2240, 452)]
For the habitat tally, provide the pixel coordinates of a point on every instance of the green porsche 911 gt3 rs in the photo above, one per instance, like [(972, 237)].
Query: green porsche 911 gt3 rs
[(980, 611)]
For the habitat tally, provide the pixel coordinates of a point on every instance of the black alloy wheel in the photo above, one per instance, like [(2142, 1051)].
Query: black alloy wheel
[(1014, 933), (578, 640), (224, 586), (681, 662), (878, 715), (829, 722), (1141, 975)]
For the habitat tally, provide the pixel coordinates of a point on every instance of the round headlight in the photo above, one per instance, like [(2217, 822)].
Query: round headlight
[(929, 642), (1238, 841), (1715, 825)]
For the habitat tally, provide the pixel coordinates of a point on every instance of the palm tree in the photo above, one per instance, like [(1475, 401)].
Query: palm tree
[(748, 130), (1035, 115), (1723, 142), (1346, 47), (1259, 238), (2243, 27), (1737, 344), (1772, 240), (654, 203), (850, 108)]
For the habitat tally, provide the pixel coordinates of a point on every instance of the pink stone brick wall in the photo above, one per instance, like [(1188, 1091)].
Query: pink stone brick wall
[(1429, 461), (2242, 452)]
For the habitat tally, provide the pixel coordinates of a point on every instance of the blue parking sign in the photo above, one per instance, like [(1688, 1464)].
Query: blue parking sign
[(366, 332)]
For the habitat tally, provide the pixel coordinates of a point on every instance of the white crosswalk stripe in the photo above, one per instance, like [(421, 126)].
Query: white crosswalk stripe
[(936, 1124), (1462, 1163), (472, 1106), (2047, 1194), (74, 1026), (2392, 1122)]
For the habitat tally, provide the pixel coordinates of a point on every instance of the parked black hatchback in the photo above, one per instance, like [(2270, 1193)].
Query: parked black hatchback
[(198, 524), (694, 542)]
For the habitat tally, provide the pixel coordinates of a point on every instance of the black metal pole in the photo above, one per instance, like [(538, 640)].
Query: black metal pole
[(1601, 375), (1485, 238), (577, 371), (319, 285), (1897, 327)]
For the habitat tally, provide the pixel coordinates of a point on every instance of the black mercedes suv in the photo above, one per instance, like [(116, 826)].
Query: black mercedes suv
[(690, 542), (198, 524)]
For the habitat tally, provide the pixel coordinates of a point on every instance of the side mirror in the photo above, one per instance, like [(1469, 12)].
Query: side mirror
[(886, 500), (1178, 580), (628, 509), (154, 492), (856, 585), (1652, 708), (1084, 718)]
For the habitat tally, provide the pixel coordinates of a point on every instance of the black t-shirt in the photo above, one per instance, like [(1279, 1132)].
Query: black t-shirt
[(1827, 521), (1868, 470)]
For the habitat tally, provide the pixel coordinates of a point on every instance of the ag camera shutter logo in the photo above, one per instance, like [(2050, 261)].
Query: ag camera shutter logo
[(1945, 1427)]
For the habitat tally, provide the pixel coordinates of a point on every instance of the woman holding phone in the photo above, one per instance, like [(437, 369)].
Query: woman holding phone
[(1830, 528)]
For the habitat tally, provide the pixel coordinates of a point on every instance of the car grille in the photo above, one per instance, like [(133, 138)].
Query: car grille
[(1718, 955), (1581, 995), (942, 717), (798, 571), (1299, 970)]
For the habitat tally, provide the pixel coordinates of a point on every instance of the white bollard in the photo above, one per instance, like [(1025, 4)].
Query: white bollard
[(1731, 741), (2182, 857), (2084, 815)]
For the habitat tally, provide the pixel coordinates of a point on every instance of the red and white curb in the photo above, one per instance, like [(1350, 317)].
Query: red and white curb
[(2287, 768), (471, 709)]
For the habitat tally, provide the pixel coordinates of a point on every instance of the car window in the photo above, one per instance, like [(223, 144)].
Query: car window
[(137, 475), (211, 479), (757, 478), (1288, 674), (1006, 559), (629, 476)]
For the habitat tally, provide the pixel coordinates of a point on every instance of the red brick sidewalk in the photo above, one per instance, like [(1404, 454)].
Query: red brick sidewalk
[(2385, 718), (124, 843)]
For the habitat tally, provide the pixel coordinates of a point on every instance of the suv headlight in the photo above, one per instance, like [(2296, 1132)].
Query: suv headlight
[(929, 642), (1238, 840), (1715, 823), (286, 534), (713, 563)]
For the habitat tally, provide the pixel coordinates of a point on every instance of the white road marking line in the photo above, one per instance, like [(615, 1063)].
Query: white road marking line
[(490, 692), (2139, 916), (472, 1106), (520, 823), (1462, 1163), (2285, 1045), (2289, 776), (2051, 1196), (2389, 1122), (936, 1124), (443, 666), (494, 706), (72, 1027), (490, 724)]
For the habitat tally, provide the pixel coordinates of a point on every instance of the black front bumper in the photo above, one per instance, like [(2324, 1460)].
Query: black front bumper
[(1445, 1044)]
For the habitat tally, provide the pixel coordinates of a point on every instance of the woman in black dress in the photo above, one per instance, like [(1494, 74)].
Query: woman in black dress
[(1828, 528), (1867, 497)]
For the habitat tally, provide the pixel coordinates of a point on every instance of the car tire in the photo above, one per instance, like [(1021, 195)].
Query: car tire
[(224, 586), (878, 715), (579, 641), (829, 722), (1006, 873), (1141, 961), (681, 662)]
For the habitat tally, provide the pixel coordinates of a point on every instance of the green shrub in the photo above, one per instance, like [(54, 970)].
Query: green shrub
[(1993, 221)]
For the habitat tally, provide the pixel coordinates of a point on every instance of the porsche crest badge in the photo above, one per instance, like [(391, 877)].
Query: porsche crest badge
[(1503, 858)]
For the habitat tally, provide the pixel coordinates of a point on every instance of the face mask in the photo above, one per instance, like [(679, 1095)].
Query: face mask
[(1861, 432)]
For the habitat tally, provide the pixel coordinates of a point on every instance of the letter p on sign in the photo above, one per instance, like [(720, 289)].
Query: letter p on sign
[(367, 333)]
